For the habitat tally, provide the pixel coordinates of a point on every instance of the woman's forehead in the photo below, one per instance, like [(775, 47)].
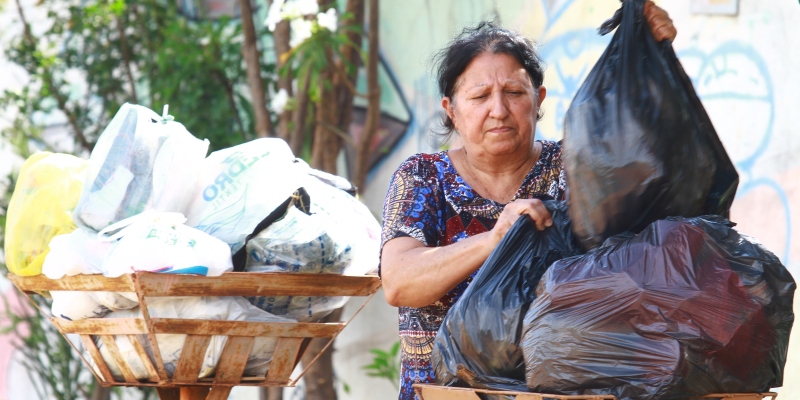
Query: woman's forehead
[(488, 69)]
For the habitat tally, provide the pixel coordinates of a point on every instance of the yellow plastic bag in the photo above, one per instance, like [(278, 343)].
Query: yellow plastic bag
[(47, 190)]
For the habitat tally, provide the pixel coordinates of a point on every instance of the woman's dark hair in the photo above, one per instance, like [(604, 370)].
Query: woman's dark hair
[(472, 42)]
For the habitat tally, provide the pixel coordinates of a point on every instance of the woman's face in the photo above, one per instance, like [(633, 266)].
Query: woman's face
[(494, 106)]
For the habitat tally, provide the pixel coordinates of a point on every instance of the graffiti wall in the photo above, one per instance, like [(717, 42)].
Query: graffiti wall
[(744, 69)]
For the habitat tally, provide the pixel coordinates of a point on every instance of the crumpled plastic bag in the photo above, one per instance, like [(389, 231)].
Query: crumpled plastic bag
[(47, 190), (241, 185), (333, 234), (171, 345), (638, 144), (478, 343), (686, 308), (140, 162), (160, 242)]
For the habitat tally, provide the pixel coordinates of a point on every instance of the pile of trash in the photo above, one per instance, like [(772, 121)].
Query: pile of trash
[(148, 199), (642, 288)]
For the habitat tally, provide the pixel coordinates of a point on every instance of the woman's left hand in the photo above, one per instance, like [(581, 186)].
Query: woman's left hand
[(659, 21)]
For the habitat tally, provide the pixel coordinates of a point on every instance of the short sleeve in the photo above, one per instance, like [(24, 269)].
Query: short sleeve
[(411, 208)]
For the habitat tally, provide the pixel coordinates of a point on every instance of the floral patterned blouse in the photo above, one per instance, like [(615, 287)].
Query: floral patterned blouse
[(430, 202)]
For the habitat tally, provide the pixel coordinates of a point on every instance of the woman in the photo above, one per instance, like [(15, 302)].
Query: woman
[(445, 212)]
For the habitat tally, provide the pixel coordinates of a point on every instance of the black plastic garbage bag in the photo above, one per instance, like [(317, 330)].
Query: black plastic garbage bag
[(687, 308), (478, 342), (638, 144)]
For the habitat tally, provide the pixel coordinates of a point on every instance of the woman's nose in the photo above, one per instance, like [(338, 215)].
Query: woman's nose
[(497, 106)]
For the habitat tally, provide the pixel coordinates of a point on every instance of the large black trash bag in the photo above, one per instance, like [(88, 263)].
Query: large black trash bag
[(687, 308), (478, 342), (638, 144)]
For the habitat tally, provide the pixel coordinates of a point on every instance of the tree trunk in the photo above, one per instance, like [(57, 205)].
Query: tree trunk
[(299, 117), (271, 393), (327, 143), (101, 393), (253, 63), (372, 122), (319, 378), (281, 36)]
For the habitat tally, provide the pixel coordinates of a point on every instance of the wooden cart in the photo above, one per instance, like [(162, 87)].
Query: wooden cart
[(434, 392), (293, 338)]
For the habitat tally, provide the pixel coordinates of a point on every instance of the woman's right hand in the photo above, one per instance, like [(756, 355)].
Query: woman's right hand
[(534, 208)]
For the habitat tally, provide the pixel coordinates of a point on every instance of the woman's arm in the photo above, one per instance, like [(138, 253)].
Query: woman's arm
[(414, 275)]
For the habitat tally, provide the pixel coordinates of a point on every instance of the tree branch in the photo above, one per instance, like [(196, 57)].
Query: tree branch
[(47, 76), (281, 37), (253, 63), (372, 122), (126, 56)]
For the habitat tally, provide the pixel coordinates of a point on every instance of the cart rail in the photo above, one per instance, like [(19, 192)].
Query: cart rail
[(292, 338)]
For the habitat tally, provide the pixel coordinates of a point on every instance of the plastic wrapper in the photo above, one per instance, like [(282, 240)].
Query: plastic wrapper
[(478, 342), (686, 308), (160, 242), (171, 345), (241, 185), (141, 162), (47, 190), (324, 230), (78, 252), (638, 144)]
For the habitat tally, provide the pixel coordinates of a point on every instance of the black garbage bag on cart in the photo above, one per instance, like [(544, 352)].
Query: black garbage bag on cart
[(687, 308), (638, 144), (478, 342)]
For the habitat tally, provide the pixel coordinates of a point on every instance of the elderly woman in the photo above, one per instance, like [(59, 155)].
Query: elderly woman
[(445, 212)]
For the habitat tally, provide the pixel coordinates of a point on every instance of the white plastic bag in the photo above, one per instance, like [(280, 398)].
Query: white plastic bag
[(339, 237), (241, 185), (74, 306), (78, 252), (160, 242), (141, 162), (171, 345)]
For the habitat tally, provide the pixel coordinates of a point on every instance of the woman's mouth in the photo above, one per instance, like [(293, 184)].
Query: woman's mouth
[(500, 129)]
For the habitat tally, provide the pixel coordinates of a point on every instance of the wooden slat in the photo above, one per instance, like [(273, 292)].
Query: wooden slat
[(101, 326), (243, 328), (194, 350), (433, 392), (88, 343), (257, 284), (95, 283), (137, 346), (233, 359), (219, 393), (111, 345), (283, 360)]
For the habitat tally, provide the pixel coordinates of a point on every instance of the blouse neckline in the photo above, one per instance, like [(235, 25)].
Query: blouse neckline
[(468, 196)]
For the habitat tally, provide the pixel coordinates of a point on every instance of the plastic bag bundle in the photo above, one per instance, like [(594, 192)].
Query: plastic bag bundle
[(171, 345), (47, 190), (686, 308), (241, 185), (160, 242), (638, 144), (478, 343), (322, 230), (141, 162)]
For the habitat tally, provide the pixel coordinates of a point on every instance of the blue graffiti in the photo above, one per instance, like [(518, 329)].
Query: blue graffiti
[(719, 64)]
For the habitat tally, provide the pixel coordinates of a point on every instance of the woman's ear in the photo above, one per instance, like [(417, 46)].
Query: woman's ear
[(542, 94), (449, 109)]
